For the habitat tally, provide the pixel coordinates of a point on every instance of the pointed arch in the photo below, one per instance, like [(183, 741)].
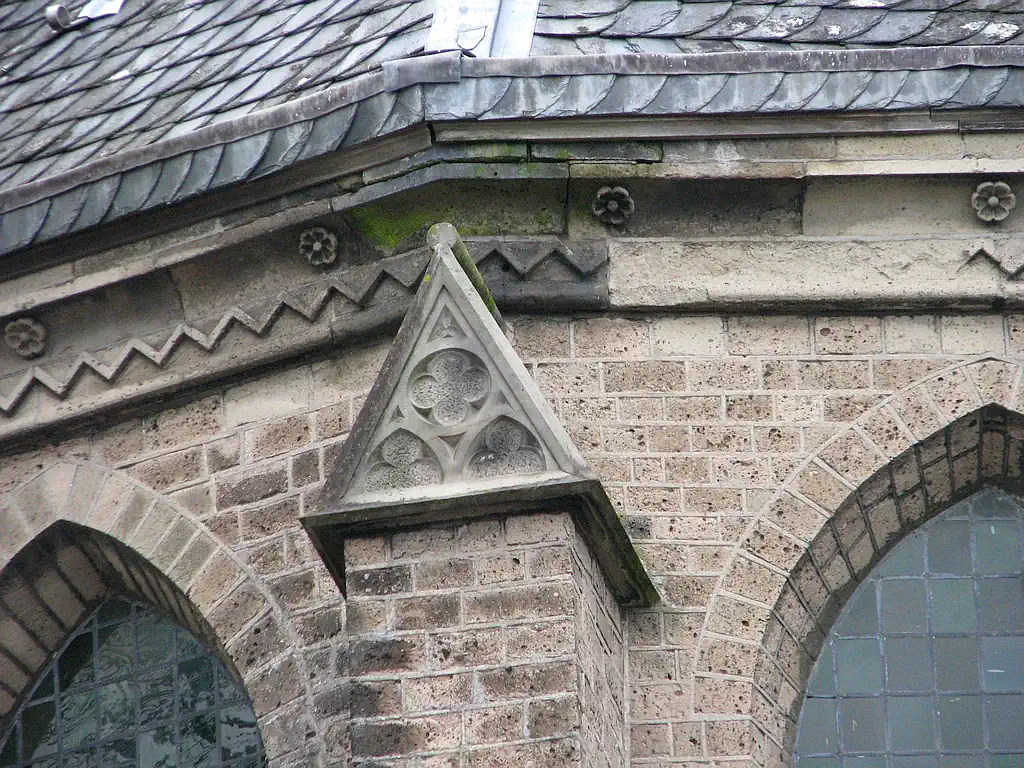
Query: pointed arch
[(804, 552), (77, 533)]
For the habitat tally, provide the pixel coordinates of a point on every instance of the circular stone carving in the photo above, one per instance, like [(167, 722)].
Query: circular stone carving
[(508, 449), (446, 384), (319, 245), (402, 461), (613, 205), (26, 336), (993, 201)]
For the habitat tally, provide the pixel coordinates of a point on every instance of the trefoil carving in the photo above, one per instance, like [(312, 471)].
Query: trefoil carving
[(402, 461), (508, 448)]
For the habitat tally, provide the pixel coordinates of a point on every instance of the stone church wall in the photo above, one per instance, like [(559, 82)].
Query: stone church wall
[(698, 426)]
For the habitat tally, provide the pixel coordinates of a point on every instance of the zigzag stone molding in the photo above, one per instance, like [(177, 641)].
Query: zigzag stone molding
[(524, 275)]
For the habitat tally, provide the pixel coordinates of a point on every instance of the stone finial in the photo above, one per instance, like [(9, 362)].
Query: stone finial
[(319, 245), (993, 201), (613, 205), (26, 336)]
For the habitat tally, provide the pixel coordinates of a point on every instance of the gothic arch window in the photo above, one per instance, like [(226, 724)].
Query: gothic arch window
[(924, 667), (132, 689)]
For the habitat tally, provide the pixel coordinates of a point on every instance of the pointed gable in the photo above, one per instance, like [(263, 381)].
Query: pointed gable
[(455, 428)]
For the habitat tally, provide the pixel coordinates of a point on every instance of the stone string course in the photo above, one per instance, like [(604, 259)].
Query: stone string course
[(728, 443)]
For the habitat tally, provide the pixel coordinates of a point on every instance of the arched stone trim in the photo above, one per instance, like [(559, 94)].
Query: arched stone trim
[(106, 533), (804, 552)]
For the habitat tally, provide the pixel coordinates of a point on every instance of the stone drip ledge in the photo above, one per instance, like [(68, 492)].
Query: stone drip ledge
[(796, 274)]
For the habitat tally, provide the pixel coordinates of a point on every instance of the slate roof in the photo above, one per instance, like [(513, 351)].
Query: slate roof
[(171, 99), (566, 27), (163, 69)]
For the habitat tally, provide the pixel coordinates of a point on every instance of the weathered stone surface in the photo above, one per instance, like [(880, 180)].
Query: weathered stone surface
[(861, 272)]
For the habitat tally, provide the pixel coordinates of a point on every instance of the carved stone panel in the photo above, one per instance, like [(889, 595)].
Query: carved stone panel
[(453, 416), (455, 429)]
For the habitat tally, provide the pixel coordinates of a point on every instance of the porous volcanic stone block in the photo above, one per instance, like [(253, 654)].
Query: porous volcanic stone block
[(510, 649)]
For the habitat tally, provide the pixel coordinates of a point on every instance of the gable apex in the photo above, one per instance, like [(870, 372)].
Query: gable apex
[(455, 428)]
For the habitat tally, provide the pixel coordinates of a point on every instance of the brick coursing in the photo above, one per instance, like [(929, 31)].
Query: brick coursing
[(727, 443), (498, 637)]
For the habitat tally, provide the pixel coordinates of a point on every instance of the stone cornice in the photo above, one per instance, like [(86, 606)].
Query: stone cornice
[(443, 87)]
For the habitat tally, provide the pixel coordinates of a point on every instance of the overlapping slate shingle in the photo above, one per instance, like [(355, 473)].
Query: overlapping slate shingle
[(160, 69), (142, 109), (567, 27)]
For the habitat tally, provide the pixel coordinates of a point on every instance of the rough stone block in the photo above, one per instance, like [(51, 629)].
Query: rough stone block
[(769, 335), (611, 337), (515, 682), (440, 692), (645, 376), (379, 581), (724, 374), (223, 454), (494, 724), (553, 717), (568, 378), (513, 603), (172, 470), (848, 335), (540, 338), (427, 612), (911, 334), (269, 519), (282, 436), (973, 334), (688, 336)]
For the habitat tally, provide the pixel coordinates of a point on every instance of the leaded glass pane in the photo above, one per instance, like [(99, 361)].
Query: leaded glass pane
[(131, 689), (924, 668)]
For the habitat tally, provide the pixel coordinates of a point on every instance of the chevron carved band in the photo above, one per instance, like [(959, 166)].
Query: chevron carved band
[(535, 274)]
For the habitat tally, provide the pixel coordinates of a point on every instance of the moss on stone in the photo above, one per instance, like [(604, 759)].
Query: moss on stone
[(386, 227)]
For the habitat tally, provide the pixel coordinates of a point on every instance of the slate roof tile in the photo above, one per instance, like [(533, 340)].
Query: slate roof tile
[(156, 67), (163, 69), (568, 26)]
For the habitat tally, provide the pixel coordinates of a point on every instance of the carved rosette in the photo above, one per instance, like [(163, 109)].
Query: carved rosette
[(319, 246), (613, 205), (402, 461), (26, 336), (993, 201)]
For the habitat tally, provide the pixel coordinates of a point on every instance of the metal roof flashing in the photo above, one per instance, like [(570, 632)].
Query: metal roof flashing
[(59, 19), (455, 429)]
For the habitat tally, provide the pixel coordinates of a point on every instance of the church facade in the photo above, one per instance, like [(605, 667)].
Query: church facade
[(711, 454)]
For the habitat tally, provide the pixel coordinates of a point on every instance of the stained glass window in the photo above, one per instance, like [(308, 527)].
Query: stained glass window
[(131, 689), (925, 666)]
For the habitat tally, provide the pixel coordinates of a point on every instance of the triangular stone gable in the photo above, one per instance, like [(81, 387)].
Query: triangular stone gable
[(454, 427), (462, 411)]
